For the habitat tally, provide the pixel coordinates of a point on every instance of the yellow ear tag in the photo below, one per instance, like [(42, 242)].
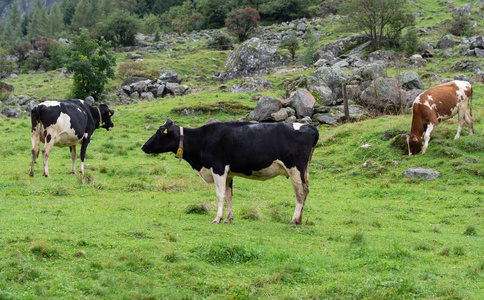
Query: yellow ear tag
[(166, 131), (110, 114), (178, 152)]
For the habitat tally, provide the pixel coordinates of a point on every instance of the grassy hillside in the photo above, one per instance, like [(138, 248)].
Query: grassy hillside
[(135, 225)]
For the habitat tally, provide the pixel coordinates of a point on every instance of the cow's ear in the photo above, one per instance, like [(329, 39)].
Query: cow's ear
[(111, 112), (168, 123)]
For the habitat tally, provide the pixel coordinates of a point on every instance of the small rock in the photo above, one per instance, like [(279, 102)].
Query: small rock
[(428, 174)]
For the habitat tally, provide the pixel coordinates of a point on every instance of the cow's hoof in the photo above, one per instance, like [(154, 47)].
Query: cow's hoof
[(215, 222), (228, 221), (31, 174), (293, 222)]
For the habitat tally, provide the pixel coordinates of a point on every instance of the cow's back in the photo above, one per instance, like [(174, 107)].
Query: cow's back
[(246, 147)]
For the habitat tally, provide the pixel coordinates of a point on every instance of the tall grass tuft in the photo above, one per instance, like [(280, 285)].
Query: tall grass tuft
[(221, 252)]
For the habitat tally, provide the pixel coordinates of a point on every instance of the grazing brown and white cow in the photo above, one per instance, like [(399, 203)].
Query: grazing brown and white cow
[(220, 151), (436, 104), (66, 124)]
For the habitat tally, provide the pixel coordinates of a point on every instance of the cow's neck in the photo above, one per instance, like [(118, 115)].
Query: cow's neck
[(417, 127), (190, 151)]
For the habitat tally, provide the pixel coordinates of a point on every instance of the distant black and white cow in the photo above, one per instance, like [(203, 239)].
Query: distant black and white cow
[(66, 124), (435, 105), (220, 151)]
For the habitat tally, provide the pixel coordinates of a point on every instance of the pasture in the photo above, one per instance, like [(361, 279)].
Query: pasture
[(137, 226)]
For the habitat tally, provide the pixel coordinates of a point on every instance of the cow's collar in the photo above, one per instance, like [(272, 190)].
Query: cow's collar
[(100, 118), (179, 152)]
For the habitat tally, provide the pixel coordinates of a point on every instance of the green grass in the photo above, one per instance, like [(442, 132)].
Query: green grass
[(136, 225)]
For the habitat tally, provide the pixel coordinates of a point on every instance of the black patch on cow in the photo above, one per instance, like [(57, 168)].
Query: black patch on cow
[(47, 140), (245, 146)]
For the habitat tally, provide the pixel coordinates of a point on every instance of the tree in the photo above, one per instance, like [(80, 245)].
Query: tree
[(242, 22), (38, 21), (375, 16), (290, 43), (120, 27), (14, 22), (86, 15), (55, 21), (92, 64), (68, 9), (285, 10)]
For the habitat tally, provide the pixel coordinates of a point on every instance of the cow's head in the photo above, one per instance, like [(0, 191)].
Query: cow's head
[(414, 143), (106, 114), (165, 139)]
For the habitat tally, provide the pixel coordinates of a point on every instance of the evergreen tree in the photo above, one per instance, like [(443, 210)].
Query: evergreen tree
[(68, 8), (55, 21), (127, 5), (86, 15), (38, 21), (14, 22), (106, 7)]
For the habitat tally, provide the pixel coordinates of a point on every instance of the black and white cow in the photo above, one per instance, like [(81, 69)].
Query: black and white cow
[(65, 124), (220, 151)]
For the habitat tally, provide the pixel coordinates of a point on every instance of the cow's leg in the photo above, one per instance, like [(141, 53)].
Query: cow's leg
[(428, 133), (470, 122), (301, 190), (35, 151), (49, 144), (228, 200), (461, 120), (85, 143), (220, 182), (73, 158)]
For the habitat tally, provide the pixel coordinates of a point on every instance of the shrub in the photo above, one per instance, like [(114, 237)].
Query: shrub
[(92, 64), (410, 41), (6, 66), (131, 68), (21, 50), (220, 41), (242, 22), (460, 25), (291, 44)]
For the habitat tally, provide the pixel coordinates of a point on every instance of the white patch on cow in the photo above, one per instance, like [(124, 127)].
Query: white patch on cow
[(297, 126), (62, 133), (428, 133), (427, 103), (50, 103), (205, 174), (462, 87), (275, 169)]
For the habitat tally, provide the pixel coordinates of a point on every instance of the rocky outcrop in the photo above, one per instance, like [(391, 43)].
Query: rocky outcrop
[(253, 57)]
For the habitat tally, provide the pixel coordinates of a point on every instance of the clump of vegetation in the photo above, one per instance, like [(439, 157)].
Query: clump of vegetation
[(92, 64), (242, 22), (44, 251), (251, 213), (291, 44), (197, 208), (220, 41), (131, 68), (470, 231), (218, 253)]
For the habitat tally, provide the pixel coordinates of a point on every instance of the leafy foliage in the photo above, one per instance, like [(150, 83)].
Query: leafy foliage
[(242, 22), (291, 44), (380, 19), (120, 27), (92, 64)]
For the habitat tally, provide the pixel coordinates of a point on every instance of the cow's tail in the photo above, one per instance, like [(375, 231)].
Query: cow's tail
[(35, 118)]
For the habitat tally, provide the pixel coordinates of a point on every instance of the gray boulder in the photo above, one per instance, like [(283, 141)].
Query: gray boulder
[(265, 107), (303, 102), (6, 88), (466, 65), (169, 76), (252, 57), (340, 46), (90, 100), (384, 95), (446, 42), (371, 71), (410, 81), (464, 9), (134, 79), (316, 86), (250, 84), (176, 89), (334, 78), (427, 174), (477, 42)]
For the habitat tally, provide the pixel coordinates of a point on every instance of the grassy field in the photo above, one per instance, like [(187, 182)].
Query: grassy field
[(138, 226)]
